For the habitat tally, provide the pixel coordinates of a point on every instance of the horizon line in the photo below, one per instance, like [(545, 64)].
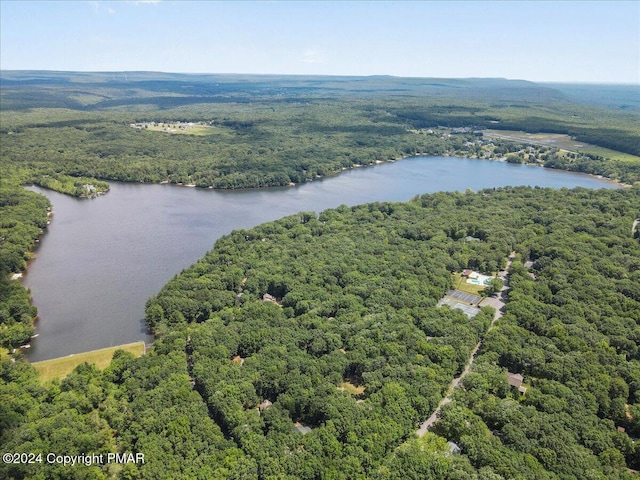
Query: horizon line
[(583, 82)]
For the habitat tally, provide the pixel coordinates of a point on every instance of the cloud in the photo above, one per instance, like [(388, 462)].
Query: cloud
[(312, 55), (98, 7)]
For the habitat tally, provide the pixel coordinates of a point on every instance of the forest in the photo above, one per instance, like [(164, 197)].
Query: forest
[(311, 347), (23, 216), (274, 130), (72, 132)]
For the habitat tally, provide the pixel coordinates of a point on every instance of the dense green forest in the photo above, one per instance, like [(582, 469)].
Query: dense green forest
[(312, 347), (23, 216), (329, 323), (273, 130), (66, 130)]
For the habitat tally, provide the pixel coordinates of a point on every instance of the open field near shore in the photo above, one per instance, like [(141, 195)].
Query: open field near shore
[(608, 153), (63, 366), (560, 141)]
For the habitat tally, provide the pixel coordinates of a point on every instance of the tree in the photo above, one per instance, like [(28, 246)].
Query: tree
[(495, 286)]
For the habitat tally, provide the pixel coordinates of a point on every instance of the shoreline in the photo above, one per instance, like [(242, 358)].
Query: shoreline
[(60, 367), (21, 275), (50, 211), (375, 163), (30, 255), (460, 154)]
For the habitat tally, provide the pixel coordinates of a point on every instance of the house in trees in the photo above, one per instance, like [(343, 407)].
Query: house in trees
[(267, 297), (300, 428), (238, 360), (454, 449), (515, 381), (264, 405)]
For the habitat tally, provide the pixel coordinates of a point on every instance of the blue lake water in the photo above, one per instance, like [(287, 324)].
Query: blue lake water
[(101, 259)]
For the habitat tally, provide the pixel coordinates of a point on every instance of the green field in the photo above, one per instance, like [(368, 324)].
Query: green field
[(63, 366), (186, 129), (611, 154), (561, 142), (351, 388), (460, 283)]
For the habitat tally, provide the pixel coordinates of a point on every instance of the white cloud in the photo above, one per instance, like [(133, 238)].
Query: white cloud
[(312, 55), (99, 7)]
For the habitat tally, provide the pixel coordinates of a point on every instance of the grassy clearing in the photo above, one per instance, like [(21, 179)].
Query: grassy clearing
[(63, 366), (351, 388), (556, 140), (197, 130), (612, 154), (460, 283), (560, 141)]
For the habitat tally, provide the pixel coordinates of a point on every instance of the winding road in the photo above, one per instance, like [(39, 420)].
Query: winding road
[(427, 424)]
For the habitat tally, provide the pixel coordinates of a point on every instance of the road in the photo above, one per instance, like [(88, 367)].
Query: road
[(428, 423)]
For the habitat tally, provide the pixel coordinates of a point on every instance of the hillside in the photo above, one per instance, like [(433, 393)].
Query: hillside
[(273, 130), (312, 347), (332, 319)]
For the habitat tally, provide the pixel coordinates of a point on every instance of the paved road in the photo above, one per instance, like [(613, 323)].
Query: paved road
[(428, 423)]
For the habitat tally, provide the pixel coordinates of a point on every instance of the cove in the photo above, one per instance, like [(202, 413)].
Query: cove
[(101, 259)]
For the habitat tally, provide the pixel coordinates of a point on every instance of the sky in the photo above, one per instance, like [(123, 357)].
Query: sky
[(574, 41)]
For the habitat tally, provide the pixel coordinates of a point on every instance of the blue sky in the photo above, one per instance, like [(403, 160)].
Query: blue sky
[(573, 41)]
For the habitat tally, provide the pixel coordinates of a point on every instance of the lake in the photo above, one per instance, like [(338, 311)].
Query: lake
[(101, 259)]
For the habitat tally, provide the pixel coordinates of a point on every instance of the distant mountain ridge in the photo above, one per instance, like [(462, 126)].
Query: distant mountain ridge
[(13, 83), (603, 115)]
